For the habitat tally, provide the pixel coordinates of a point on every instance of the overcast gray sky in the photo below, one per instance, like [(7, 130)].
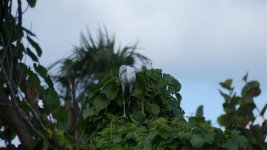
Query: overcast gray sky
[(199, 42)]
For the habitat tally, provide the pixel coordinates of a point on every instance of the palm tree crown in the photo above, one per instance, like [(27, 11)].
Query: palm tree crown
[(91, 60)]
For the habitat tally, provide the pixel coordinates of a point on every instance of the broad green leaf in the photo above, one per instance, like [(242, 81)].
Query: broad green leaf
[(111, 91), (24, 67), (89, 112), (34, 80), (148, 140), (197, 141), (41, 70), (208, 138), (138, 116), (106, 131), (51, 99), (251, 89), (130, 135), (161, 121), (172, 146), (35, 45), (59, 133), (167, 78), (227, 84), (32, 3), (100, 103), (61, 114), (226, 119), (186, 147), (20, 51), (49, 81), (117, 139), (153, 108), (15, 34), (165, 132), (63, 125), (184, 136), (235, 141), (137, 93), (28, 31), (31, 54)]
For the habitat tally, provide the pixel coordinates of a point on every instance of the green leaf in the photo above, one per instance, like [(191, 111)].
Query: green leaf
[(263, 110), (186, 147), (165, 132), (49, 81), (41, 70), (184, 136), (167, 78), (138, 116), (51, 99), (31, 54), (245, 78), (117, 138), (225, 96), (35, 45), (28, 31), (199, 112), (153, 108), (208, 138), (61, 114), (130, 135), (251, 89), (100, 103), (235, 141), (20, 51), (89, 112), (137, 93), (226, 119), (31, 3), (197, 141), (227, 84), (111, 91), (34, 80), (161, 121)]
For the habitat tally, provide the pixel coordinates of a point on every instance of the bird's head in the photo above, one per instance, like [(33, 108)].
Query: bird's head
[(122, 69)]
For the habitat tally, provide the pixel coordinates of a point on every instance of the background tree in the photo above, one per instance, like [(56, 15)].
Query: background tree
[(91, 61), (242, 113), (23, 86), (88, 64)]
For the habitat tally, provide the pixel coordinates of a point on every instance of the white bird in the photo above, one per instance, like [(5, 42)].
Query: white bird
[(127, 78)]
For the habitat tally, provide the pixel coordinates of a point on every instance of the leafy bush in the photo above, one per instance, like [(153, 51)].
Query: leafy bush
[(240, 113), (155, 121)]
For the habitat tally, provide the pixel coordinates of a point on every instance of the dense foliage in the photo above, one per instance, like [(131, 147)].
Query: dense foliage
[(240, 113), (156, 119), (23, 86)]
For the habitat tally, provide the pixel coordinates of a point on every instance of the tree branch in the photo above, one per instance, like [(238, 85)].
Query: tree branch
[(12, 117)]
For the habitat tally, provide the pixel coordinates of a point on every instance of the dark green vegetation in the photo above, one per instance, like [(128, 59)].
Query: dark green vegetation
[(240, 113), (155, 121)]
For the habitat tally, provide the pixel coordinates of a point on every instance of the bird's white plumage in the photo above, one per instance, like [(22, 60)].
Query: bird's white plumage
[(127, 76)]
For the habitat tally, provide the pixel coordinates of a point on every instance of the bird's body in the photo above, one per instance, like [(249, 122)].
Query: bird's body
[(127, 78)]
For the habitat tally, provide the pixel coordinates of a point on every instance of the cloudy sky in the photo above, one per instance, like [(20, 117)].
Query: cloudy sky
[(199, 42)]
